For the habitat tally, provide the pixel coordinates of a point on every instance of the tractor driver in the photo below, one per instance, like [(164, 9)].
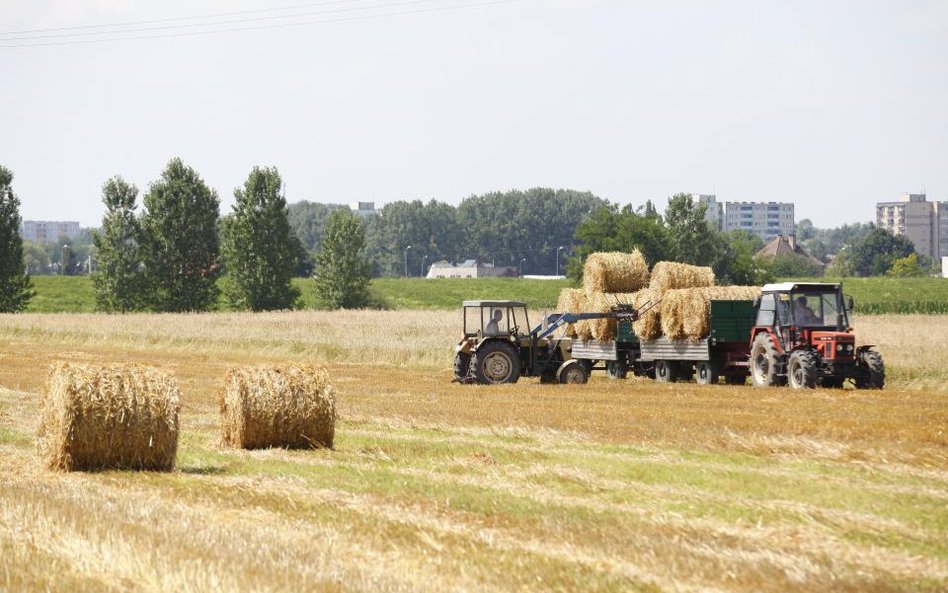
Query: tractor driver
[(493, 327), (802, 313)]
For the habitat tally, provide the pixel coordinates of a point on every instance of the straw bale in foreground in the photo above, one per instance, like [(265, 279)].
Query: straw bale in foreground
[(116, 416), (290, 406), (686, 312), (614, 272), (667, 275)]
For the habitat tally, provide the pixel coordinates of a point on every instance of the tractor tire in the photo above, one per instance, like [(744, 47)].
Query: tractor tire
[(763, 362), (706, 372), (617, 369), (462, 367), (872, 360), (802, 369), (496, 362), (665, 371), (572, 372)]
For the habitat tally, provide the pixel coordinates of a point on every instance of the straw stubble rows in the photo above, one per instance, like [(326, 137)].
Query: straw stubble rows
[(434, 486)]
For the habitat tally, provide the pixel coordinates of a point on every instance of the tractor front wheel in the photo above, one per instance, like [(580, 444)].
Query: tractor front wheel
[(871, 361), (496, 362), (572, 372), (763, 362), (802, 368)]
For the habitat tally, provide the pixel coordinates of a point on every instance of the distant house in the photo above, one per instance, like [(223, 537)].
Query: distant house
[(468, 269), (787, 245)]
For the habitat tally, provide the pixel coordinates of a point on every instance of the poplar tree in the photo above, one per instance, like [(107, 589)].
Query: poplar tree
[(16, 288), (259, 248), (118, 279), (342, 269), (179, 240)]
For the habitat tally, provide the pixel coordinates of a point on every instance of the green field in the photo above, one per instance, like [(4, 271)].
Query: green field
[(876, 296)]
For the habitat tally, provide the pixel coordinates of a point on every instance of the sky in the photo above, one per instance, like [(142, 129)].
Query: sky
[(833, 106)]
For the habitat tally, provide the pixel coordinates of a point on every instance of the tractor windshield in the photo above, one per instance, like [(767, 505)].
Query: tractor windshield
[(817, 309), (498, 320)]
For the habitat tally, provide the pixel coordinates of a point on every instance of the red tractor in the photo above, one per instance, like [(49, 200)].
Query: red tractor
[(802, 337)]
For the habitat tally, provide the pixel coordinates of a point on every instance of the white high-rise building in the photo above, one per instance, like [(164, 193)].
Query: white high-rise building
[(715, 211), (924, 223), (764, 219), (44, 231)]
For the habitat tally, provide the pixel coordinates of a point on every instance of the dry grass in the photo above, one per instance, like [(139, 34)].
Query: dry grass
[(614, 272), (289, 406), (667, 275), (433, 486), (95, 417)]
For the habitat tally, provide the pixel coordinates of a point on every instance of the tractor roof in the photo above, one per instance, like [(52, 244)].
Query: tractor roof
[(799, 286), (494, 304)]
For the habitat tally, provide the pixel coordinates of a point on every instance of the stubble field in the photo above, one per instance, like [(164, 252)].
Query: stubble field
[(433, 486)]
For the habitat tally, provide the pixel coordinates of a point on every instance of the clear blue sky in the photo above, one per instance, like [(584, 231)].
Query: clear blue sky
[(831, 105)]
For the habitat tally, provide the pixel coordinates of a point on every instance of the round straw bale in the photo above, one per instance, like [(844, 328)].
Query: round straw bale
[(690, 308), (571, 300), (673, 312), (605, 328), (291, 406), (117, 416), (668, 275), (614, 272), (649, 325)]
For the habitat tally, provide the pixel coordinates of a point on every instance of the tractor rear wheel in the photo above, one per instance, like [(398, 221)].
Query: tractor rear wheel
[(871, 361), (462, 366), (802, 368), (665, 371), (496, 362), (617, 369), (706, 372), (572, 372), (763, 362)]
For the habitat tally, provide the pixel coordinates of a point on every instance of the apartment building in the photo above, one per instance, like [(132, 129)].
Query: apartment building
[(764, 219), (44, 231), (924, 223)]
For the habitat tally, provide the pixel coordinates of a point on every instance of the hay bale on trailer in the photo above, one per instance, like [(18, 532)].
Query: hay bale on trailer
[(291, 406), (113, 416), (649, 324), (667, 275), (686, 312), (572, 300), (605, 328), (614, 272)]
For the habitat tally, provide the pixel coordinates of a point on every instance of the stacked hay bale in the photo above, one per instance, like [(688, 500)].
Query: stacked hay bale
[(686, 312), (669, 275), (572, 300), (115, 416), (614, 272), (291, 406)]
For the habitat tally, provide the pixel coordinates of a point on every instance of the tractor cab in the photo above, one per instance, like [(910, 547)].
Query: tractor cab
[(485, 319), (803, 337)]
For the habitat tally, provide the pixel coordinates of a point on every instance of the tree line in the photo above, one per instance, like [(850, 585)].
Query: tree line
[(178, 254)]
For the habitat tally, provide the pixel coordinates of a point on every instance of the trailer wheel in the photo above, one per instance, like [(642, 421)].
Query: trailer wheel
[(496, 362), (665, 371), (872, 360), (763, 362), (802, 368), (706, 372), (572, 372), (617, 369), (462, 366)]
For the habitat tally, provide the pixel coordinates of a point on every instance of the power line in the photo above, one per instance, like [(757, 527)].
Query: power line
[(216, 23), (258, 27)]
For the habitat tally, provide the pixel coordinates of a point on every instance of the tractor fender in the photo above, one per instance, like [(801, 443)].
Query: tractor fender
[(480, 343)]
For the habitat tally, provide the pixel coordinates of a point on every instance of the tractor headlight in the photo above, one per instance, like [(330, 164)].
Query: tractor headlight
[(849, 348), (839, 347)]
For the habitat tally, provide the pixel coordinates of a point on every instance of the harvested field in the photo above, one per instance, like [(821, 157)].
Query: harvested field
[(433, 486)]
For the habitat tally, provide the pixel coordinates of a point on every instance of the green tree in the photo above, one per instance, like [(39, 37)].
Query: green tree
[(117, 280), (180, 241), (342, 270), (610, 228), (16, 288), (693, 241), (259, 248), (743, 267), (906, 267), (792, 266), (35, 258), (874, 253)]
